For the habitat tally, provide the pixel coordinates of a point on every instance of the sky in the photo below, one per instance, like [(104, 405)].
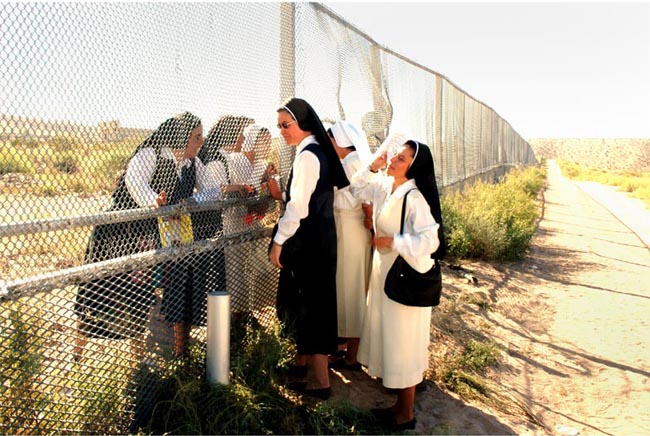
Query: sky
[(558, 69), (572, 70)]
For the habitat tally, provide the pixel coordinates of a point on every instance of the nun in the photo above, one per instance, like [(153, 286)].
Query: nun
[(230, 169), (395, 337), (353, 239), (163, 170), (304, 245)]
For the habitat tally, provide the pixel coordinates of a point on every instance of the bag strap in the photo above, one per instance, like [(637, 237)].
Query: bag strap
[(401, 225)]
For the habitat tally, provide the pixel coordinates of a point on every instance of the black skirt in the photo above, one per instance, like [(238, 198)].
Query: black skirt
[(117, 306)]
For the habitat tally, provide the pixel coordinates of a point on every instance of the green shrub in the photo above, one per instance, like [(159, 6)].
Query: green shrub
[(10, 162), (21, 360), (634, 183), (493, 222), (64, 143), (66, 163), (479, 355), (462, 373), (114, 164)]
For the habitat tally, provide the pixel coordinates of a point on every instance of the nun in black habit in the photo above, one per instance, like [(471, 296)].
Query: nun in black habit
[(117, 306), (304, 244)]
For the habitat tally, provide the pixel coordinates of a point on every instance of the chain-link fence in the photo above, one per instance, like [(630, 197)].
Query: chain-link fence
[(104, 278)]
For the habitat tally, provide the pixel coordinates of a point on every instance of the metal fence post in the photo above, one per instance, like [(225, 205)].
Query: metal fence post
[(217, 365)]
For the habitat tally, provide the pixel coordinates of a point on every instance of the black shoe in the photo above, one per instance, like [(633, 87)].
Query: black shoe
[(340, 364), (409, 425), (386, 418), (383, 414), (298, 371), (322, 393)]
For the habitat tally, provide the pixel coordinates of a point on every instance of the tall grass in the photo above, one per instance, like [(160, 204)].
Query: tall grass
[(256, 400), (634, 183), (38, 396), (493, 222)]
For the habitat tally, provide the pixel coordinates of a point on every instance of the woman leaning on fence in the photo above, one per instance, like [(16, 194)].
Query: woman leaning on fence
[(395, 337), (117, 306)]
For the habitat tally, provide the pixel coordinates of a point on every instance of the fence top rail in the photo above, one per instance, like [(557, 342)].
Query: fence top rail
[(49, 225)]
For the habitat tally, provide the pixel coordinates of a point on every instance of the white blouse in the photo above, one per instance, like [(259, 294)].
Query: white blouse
[(306, 171), (343, 198), (240, 169), (142, 166), (420, 237)]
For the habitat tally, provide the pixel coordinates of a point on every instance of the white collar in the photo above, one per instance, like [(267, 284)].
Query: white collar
[(351, 156), (404, 188), (311, 139)]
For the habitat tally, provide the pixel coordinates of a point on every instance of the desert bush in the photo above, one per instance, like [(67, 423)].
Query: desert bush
[(635, 183), (64, 143), (21, 359), (25, 143), (66, 162), (493, 222), (13, 162), (462, 373)]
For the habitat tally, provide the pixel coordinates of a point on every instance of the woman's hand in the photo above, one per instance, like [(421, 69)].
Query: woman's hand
[(274, 255), (274, 189), (379, 163), (367, 212), (161, 200), (382, 242), (270, 171)]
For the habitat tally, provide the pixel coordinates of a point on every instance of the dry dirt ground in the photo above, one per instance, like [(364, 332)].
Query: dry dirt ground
[(572, 320)]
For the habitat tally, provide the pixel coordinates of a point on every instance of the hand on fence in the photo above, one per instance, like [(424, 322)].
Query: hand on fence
[(161, 200)]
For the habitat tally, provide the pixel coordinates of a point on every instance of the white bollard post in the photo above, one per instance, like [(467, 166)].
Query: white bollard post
[(217, 366)]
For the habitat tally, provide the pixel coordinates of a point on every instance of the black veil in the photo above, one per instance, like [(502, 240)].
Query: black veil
[(423, 172), (174, 132), (224, 133), (308, 120)]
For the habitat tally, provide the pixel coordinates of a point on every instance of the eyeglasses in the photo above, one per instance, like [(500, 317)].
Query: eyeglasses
[(285, 125)]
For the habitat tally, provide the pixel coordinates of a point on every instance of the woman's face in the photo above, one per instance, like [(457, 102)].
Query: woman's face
[(289, 129), (239, 143), (195, 142), (340, 152), (399, 164), (263, 145)]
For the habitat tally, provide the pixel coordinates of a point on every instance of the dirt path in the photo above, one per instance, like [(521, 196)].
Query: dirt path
[(589, 368), (573, 320)]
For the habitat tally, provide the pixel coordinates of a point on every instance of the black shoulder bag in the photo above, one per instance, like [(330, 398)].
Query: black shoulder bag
[(409, 287)]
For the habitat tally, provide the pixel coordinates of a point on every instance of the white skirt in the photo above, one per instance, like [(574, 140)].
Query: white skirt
[(395, 338), (352, 270)]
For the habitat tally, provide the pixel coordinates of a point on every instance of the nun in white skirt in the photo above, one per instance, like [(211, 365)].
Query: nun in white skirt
[(353, 240), (395, 338)]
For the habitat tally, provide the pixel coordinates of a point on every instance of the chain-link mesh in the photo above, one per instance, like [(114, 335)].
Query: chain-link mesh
[(112, 233)]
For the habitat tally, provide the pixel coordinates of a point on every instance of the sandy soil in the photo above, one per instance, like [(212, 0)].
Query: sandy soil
[(573, 320)]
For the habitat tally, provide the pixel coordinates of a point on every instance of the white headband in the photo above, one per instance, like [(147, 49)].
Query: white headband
[(417, 148), (291, 113)]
